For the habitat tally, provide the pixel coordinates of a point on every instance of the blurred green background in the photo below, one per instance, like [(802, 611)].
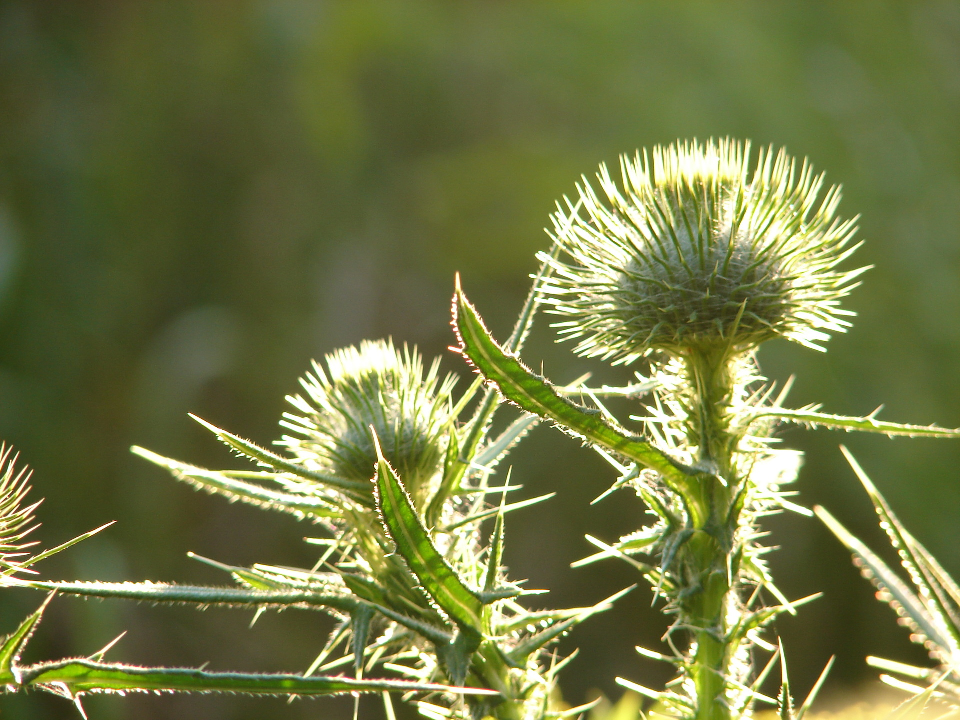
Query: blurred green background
[(198, 198)]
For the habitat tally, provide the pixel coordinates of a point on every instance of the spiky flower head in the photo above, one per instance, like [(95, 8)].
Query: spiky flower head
[(16, 519), (373, 385), (698, 253)]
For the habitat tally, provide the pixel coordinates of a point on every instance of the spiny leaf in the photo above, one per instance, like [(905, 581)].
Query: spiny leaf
[(479, 423), (496, 554), (198, 594), (535, 617), (364, 588), (414, 545), (861, 424), (455, 656), (759, 618), (751, 567), (453, 469), (302, 506), (531, 644), (265, 577), (901, 597), (360, 622), (494, 452), (911, 708), (60, 548), (81, 676), (784, 699), (14, 643), (433, 634), (932, 599), (280, 464), (942, 583), (490, 512), (535, 395)]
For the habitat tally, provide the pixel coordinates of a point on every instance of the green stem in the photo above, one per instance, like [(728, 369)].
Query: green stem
[(494, 673), (709, 571)]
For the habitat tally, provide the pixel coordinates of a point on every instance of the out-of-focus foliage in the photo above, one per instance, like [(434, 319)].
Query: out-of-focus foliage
[(196, 199)]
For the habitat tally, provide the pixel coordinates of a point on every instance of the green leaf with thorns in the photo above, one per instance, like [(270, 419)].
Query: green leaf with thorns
[(220, 483), (14, 643), (535, 642), (399, 516), (277, 463), (74, 677), (535, 395), (203, 596), (812, 418), (87, 676)]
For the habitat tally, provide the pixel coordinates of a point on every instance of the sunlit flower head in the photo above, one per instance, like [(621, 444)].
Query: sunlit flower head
[(16, 518), (696, 252), (373, 385)]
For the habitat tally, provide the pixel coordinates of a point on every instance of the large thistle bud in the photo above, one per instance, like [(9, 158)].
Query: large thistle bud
[(373, 385), (696, 253)]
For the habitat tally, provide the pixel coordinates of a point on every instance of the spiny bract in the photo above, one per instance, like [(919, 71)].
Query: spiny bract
[(375, 385), (696, 253)]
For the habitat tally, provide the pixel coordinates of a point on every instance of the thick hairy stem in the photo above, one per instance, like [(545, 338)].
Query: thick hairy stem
[(494, 673), (710, 572)]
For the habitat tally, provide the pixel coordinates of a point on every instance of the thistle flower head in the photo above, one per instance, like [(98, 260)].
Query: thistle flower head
[(698, 253), (373, 385), (16, 520)]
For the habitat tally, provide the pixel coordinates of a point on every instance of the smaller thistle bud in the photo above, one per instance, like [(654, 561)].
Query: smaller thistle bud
[(375, 385), (696, 254)]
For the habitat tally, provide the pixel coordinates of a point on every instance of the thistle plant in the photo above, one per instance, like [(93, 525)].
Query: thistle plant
[(690, 265), (377, 458), (687, 266)]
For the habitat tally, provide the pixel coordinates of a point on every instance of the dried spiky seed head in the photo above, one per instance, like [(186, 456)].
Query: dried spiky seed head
[(373, 385), (696, 253)]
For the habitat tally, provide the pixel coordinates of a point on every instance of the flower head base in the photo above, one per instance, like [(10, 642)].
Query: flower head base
[(696, 253), (375, 385)]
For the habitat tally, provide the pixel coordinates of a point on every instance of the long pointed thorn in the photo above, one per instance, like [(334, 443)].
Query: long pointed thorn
[(642, 690), (787, 387), (98, 656), (207, 561), (858, 470), (815, 690), (76, 702)]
